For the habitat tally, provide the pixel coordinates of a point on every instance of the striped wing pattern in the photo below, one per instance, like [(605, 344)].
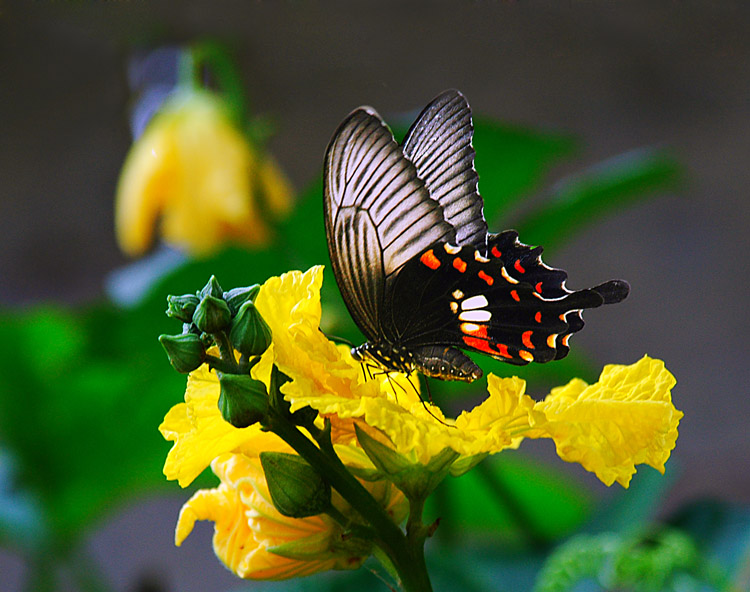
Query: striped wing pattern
[(439, 145), (378, 214)]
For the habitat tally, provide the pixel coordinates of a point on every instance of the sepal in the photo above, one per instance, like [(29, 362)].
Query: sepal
[(416, 480), (185, 352), (464, 464), (297, 491), (212, 315), (212, 288), (250, 334), (236, 297), (243, 400)]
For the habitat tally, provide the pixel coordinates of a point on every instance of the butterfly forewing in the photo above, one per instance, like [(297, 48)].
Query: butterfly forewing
[(378, 214), (439, 145)]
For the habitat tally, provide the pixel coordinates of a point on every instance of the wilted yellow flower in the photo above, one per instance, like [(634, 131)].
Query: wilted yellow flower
[(194, 172)]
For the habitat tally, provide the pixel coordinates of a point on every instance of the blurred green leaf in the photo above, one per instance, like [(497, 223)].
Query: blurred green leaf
[(513, 499), (587, 196), (633, 508), (512, 162)]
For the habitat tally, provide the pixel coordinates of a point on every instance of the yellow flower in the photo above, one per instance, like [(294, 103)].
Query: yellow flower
[(255, 541), (624, 419), (194, 170)]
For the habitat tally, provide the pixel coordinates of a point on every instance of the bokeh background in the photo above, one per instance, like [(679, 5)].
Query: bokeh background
[(620, 77)]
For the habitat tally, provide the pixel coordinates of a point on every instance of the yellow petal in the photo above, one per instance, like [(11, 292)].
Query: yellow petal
[(253, 540), (199, 432), (624, 419), (143, 189)]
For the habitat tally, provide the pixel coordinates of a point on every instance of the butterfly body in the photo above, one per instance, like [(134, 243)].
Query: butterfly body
[(419, 273)]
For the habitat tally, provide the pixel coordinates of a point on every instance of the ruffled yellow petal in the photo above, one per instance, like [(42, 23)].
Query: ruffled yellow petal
[(200, 433), (253, 540), (624, 419), (290, 304)]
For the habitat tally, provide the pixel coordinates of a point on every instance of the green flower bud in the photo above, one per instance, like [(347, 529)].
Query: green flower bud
[(212, 315), (250, 335), (243, 400), (236, 297), (212, 288), (185, 352), (296, 489), (182, 307)]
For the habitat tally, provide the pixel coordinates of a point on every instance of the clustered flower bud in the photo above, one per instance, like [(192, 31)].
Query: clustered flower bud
[(213, 316), (185, 352)]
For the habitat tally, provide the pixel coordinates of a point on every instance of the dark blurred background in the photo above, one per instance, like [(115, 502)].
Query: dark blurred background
[(621, 77)]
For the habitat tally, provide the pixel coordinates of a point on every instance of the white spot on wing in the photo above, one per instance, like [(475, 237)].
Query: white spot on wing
[(458, 294), (478, 316), (450, 249), (507, 277), (474, 302)]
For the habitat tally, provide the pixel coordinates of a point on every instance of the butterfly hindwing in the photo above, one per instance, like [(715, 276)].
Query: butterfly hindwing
[(476, 303)]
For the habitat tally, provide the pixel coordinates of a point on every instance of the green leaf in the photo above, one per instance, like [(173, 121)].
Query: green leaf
[(587, 196), (512, 499), (512, 162)]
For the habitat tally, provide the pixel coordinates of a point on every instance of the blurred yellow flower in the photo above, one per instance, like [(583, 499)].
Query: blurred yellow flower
[(194, 172), (255, 541)]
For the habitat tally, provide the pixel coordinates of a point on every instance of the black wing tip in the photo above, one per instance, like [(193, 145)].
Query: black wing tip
[(613, 291)]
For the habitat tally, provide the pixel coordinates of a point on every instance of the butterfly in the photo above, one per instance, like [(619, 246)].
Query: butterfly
[(417, 268)]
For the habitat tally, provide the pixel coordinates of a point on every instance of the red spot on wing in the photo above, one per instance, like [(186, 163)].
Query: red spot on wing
[(496, 252), (459, 264), (526, 338), (515, 296), (517, 265), (503, 350), (538, 316), (479, 344), (538, 287), (487, 278), (429, 259)]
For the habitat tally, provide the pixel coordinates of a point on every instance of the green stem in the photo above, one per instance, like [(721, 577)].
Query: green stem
[(227, 352), (407, 557), (221, 365)]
